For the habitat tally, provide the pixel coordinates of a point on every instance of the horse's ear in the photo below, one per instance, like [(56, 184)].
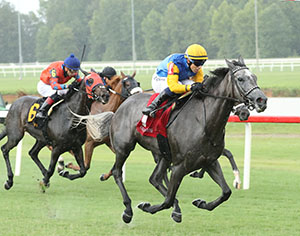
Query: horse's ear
[(84, 72), (93, 70), (229, 64), (241, 60), (122, 74), (134, 73)]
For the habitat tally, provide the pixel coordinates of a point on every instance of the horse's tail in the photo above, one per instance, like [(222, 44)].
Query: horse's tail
[(21, 93), (3, 134)]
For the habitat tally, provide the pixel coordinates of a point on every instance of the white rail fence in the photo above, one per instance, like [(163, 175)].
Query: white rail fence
[(12, 69)]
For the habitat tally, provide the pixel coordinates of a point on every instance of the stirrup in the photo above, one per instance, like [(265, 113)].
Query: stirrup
[(40, 115), (147, 111)]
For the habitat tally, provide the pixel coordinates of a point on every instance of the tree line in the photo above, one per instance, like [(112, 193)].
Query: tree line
[(226, 28)]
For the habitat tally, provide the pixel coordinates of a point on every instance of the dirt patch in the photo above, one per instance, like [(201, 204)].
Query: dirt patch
[(10, 98)]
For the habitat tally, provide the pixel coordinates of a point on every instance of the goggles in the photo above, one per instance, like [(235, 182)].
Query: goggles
[(72, 71), (198, 62)]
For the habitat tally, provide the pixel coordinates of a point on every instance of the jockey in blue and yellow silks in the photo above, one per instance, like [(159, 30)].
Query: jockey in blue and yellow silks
[(177, 74)]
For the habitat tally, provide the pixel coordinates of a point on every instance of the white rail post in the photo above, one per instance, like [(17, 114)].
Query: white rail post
[(247, 157), (18, 158)]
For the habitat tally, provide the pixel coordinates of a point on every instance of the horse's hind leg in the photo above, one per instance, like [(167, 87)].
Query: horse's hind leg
[(237, 181), (215, 172), (12, 140), (117, 173), (34, 155)]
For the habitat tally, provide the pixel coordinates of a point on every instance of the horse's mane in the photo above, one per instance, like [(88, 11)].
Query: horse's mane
[(69, 94), (217, 75)]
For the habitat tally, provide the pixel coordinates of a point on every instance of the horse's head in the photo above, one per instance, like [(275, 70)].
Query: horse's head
[(95, 88), (129, 85), (245, 85)]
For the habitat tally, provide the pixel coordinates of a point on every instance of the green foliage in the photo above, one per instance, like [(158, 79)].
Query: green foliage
[(224, 27), (275, 30)]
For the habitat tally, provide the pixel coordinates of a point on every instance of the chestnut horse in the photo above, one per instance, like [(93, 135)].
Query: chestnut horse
[(120, 87)]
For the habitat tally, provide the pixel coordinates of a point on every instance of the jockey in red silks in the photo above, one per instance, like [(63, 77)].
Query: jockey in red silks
[(53, 79), (177, 74)]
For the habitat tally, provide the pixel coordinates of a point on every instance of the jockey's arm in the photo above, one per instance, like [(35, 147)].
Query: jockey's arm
[(173, 78), (199, 76), (77, 77), (55, 85)]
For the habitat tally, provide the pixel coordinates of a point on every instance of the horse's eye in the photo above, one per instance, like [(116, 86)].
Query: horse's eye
[(90, 81), (241, 79)]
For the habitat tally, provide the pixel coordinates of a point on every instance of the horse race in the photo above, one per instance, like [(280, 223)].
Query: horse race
[(197, 103)]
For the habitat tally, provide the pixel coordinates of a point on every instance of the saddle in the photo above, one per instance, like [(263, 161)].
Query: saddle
[(156, 127), (34, 109)]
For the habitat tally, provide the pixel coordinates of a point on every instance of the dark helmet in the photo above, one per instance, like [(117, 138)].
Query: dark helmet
[(72, 62), (108, 72)]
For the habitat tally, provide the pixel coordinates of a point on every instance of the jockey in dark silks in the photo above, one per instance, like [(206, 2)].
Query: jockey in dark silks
[(53, 79), (177, 74)]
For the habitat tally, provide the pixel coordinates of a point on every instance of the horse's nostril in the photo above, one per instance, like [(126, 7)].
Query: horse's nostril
[(260, 100)]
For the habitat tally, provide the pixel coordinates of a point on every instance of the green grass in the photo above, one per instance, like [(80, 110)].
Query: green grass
[(90, 207), (276, 80)]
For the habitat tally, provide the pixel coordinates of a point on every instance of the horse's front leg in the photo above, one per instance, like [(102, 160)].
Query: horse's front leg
[(178, 172), (54, 157), (79, 159), (156, 179), (215, 172)]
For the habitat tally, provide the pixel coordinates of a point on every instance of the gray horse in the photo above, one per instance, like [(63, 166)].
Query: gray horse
[(196, 136)]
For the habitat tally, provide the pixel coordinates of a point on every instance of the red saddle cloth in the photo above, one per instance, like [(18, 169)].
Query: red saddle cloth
[(156, 125)]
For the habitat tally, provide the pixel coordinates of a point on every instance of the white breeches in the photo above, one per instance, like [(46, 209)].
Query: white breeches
[(45, 90), (160, 83)]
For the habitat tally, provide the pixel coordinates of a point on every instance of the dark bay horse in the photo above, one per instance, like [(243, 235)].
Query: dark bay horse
[(61, 134), (121, 87), (196, 136)]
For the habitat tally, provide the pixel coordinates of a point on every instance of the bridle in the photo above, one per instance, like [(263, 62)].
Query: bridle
[(126, 92), (241, 91), (94, 96)]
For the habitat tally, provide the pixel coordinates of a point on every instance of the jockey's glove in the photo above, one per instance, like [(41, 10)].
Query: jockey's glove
[(196, 86), (71, 86)]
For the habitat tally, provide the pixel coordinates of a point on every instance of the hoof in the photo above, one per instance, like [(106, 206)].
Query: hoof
[(196, 175), (237, 184), (44, 186), (199, 203), (63, 173), (60, 166), (102, 177), (126, 218), (8, 185), (176, 216), (143, 206)]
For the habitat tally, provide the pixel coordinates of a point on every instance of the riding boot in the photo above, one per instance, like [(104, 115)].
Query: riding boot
[(155, 104), (42, 113)]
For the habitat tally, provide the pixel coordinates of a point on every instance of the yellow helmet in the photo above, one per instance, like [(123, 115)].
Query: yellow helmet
[(195, 52)]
